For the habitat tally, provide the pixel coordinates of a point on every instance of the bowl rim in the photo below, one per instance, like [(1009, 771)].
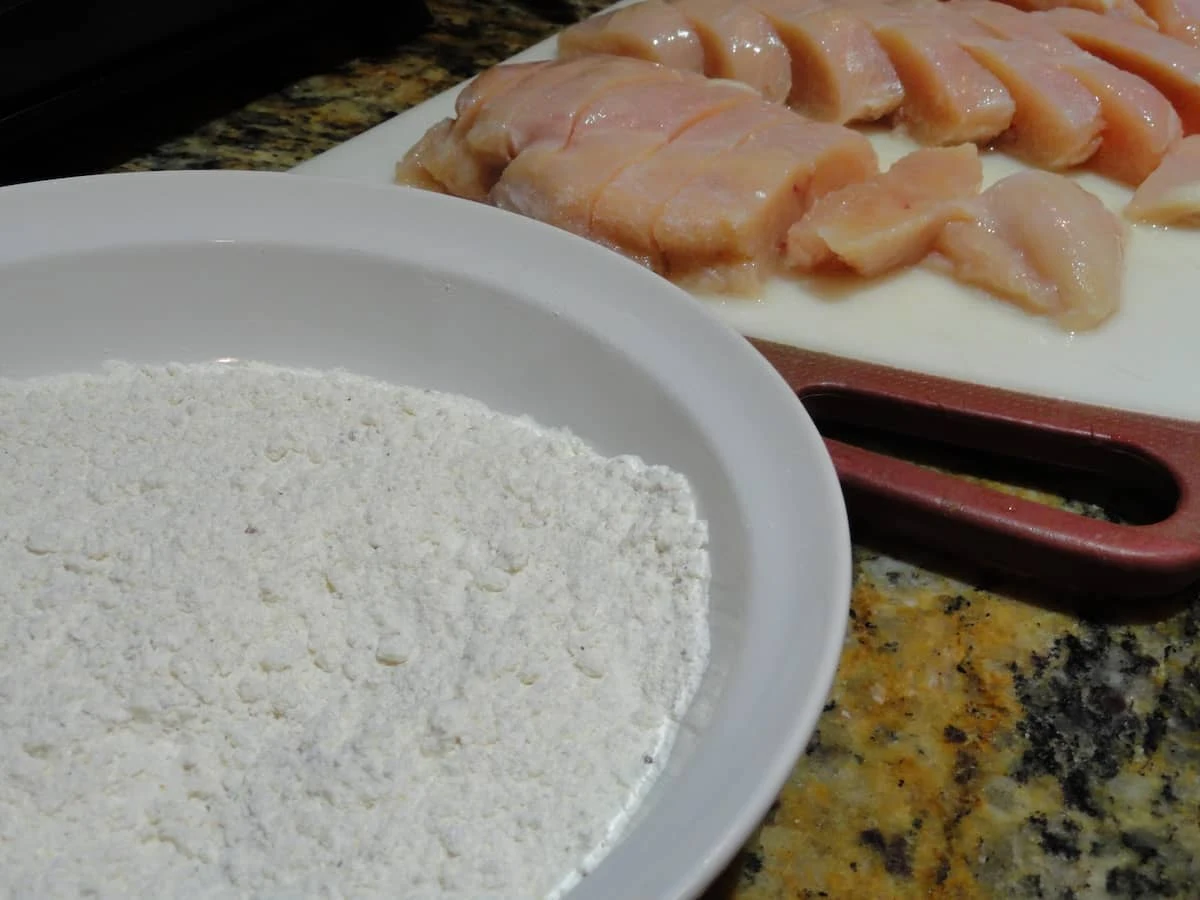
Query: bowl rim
[(99, 212)]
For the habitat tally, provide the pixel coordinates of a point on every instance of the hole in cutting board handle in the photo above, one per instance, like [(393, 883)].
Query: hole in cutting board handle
[(1154, 459), (1096, 478)]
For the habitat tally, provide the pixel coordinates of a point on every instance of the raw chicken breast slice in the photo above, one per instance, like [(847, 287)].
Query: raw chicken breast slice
[(852, 156), (1178, 18), (1140, 124), (840, 73), (1057, 123), (1170, 65), (1042, 242), (948, 97), (627, 207), (1007, 22), (543, 107), (1124, 10), (739, 44), (560, 185), (1171, 195), (440, 160), (892, 220), (667, 106), (652, 30), (411, 170), (490, 84), (723, 230)]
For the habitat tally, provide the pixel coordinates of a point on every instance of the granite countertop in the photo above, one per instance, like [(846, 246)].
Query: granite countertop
[(978, 741)]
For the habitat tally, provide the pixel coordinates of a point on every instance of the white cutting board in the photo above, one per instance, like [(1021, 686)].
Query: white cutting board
[(1146, 358)]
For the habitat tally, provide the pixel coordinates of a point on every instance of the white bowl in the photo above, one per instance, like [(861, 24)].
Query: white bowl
[(422, 289)]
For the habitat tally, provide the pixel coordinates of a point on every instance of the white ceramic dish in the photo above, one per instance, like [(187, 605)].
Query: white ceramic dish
[(427, 290)]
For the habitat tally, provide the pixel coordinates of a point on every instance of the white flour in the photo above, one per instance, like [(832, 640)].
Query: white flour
[(292, 634)]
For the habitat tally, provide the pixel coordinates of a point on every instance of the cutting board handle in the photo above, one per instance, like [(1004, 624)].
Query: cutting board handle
[(1157, 456)]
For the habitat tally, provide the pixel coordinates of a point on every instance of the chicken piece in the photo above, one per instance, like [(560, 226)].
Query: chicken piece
[(1171, 66), (543, 107), (890, 221), (560, 185), (627, 207), (840, 73), (440, 161), (723, 230), (1125, 10), (1171, 195), (490, 84), (667, 106), (1140, 124), (1004, 21), (1178, 18), (411, 170), (652, 30), (1057, 123), (948, 97), (1042, 242), (739, 44)]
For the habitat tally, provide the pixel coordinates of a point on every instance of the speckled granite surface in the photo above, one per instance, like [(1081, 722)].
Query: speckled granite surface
[(975, 744)]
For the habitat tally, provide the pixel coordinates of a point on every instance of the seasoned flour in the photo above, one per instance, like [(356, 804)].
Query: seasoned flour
[(267, 633)]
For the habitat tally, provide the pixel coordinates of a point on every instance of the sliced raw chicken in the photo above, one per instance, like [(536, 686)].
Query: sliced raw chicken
[(652, 30), (1005, 21), (740, 44), (697, 179), (723, 230), (1178, 18), (1170, 65), (560, 185), (839, 71), (948, 97), (543, 107), (853, 157), (411, 169), (1057, 123), (1171, 195), (627, 207), (1126, 10), (890, 221), (666, 106), (1140, 124), (490, 84), (1040, 241), (440, 160)]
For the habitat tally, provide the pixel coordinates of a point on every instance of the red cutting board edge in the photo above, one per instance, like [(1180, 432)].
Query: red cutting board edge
[(1145, 359)]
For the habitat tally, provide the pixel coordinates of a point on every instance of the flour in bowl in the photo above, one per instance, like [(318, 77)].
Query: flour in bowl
[(270, 633)]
